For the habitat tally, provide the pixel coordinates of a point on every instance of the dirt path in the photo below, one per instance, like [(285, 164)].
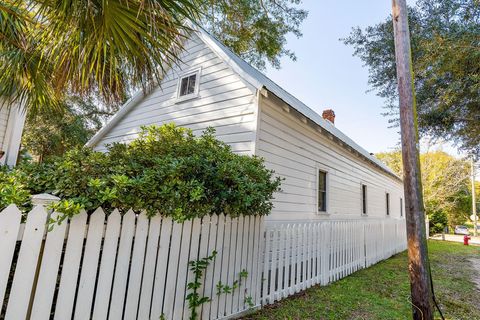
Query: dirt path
[(476, 275)]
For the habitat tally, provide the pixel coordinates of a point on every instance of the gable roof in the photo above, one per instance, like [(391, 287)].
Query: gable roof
[(259, 81)]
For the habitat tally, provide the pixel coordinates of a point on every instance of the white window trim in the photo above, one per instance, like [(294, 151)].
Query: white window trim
[(363, 183), (197, 73), (322, 168), (388, 208), (402, 212)]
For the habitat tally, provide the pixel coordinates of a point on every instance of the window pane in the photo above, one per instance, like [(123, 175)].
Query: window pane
[(322, 201), (187, 85), (401, 207), (387, 199), (322, 191), (322, 181), (183, 86), (191, 84), (364, 199)]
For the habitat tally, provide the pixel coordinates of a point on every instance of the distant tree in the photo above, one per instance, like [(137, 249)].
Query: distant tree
[(47, 135), (445, 182), (255, 29), (54, 48), (445, 39)]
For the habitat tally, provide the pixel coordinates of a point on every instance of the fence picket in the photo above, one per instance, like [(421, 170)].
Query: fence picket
[(259, 254), (225, 263), (250, 261), (149, 267), (172, 271), (208, 287), (89, 265), (232, 266), (70, 268), (135, 278), (10, 219), (28, 256), (210, 311), (243, 267), (47, 278), (161, 270), (107, 266), (122, 266), (281, 259), (266, 271), (288, 261), (199, 227), (182, 270)]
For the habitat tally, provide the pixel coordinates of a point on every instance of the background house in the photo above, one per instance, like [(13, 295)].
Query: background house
[(12, 120), (327, 175)]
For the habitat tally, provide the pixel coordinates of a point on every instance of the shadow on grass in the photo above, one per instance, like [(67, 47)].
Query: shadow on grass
[(383, 290)]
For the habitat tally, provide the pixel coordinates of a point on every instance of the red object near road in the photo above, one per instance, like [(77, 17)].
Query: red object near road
[(465, 240)]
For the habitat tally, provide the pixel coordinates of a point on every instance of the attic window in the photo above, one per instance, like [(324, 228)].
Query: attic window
[(188, 85)]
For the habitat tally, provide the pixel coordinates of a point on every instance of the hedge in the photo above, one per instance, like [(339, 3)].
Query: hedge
[(167, 170)]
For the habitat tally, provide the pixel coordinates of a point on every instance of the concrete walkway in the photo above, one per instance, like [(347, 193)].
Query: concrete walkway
[(457, 238)]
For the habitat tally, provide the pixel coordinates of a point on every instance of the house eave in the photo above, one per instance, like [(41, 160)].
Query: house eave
[(329, 130)]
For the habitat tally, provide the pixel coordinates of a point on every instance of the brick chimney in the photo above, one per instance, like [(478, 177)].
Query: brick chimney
[(329, 115)]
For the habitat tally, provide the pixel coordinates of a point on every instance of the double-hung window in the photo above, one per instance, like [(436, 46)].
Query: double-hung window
[(364, 199), (387, 203), (322, 191), (188, 85), (401, 207)]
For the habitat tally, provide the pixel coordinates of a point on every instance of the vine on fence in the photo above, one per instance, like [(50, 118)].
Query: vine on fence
[(194, 299), (226, 289)]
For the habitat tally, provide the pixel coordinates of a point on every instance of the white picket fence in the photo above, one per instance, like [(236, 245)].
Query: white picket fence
[(300, 255), (124, 267), (128, 266)]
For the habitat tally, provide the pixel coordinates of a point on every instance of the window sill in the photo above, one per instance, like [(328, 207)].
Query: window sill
[(323, 213), (186, 98)]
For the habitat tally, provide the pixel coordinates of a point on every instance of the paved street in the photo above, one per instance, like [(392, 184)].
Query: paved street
[(457, 238)]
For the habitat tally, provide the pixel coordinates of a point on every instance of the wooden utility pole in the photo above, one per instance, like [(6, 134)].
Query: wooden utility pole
[(474, 204), (418, 265)]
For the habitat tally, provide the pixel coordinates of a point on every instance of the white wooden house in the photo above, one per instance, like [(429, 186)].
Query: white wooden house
[(340, 210), (12, 120), (327, 175)]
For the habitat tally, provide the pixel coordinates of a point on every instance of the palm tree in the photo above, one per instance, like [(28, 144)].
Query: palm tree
[(53, 48)]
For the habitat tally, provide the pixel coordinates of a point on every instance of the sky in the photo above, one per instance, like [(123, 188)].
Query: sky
[(326, 75)]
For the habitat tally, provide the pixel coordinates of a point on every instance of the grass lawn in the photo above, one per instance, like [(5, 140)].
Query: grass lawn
[(383, 291)]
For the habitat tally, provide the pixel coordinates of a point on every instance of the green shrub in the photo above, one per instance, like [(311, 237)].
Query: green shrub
[(438, 220), (13, 190), (167, 170)]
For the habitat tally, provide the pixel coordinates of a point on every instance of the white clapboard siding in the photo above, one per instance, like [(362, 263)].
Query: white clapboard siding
[(4, 115), (303, 254), (224, 100), (296, 151)]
